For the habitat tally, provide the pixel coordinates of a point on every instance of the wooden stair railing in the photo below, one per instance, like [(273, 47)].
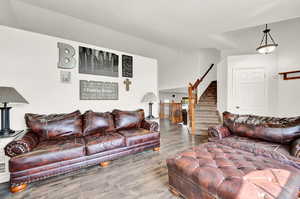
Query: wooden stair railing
[(193, 99)]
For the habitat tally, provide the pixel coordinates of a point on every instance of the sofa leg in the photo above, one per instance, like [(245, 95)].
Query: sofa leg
[(19, 188), (174, 191), (156, 149), (104, 164)]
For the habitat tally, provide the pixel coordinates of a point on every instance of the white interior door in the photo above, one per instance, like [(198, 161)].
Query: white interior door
[(250, 94)]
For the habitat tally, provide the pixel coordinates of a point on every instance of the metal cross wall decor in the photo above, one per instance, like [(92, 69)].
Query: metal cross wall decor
[(127, 82)]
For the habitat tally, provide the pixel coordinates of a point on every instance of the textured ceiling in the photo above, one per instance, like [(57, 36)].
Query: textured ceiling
[(190, 24)]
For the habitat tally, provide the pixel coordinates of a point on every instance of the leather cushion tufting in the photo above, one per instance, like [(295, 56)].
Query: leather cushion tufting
[(226, 172)]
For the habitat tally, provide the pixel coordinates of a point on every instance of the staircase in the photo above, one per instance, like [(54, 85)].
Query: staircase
[(206, 113)]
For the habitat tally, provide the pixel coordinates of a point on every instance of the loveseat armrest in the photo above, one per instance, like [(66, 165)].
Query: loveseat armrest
[(22, 144), (218, 132), (295, 148), (150, 125)]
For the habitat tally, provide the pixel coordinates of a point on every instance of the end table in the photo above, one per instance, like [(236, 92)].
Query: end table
[(4, 140)]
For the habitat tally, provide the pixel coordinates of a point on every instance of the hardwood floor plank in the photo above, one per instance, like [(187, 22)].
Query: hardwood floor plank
[(139, 176)]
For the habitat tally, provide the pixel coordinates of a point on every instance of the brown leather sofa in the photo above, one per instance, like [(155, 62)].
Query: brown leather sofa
[(248, 157), (61, 143)]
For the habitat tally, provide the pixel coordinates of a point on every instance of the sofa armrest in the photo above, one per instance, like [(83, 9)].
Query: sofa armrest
[(218, 132), (22, 144), (295, 148), (150, 125)]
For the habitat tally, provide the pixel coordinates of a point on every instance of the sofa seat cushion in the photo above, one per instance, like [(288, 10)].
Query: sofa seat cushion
[(138, 136), (47, 152), (280, 152), (100, 142)]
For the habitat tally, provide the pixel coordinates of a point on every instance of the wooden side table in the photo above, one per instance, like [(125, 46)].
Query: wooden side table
[(4, 140)]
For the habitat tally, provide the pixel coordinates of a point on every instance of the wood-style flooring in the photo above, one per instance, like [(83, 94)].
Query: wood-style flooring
[(139, 176)]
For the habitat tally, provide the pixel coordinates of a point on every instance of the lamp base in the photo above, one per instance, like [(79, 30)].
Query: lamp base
[(149, 117), (6, 131)]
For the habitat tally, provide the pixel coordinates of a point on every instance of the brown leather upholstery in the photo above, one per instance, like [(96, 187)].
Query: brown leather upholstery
[(94, 122), (280, 130), (150, 125), (51, 148), (128, 119), (47, 152), (213, 170), (295, 149), (55, 126), (137, 136), (100, 142), (280, 152), (218, 132), (22, 145)]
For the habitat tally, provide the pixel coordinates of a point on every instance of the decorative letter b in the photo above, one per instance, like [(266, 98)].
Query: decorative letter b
[(66, 56)]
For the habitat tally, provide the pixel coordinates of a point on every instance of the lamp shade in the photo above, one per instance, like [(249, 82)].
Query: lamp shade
[(149, 97), (10, 95)]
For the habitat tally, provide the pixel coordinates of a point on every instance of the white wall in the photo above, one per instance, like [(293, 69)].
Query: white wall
[(176, 67), (187, 67), (29, 63), (286, 33), (222, 72)]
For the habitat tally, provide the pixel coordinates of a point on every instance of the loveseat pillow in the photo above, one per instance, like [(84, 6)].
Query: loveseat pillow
[(55, 126), (279, 130), (128, 119), (94, 122)]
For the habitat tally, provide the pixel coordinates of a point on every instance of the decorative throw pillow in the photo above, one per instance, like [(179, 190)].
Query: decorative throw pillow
[(280, 130), (55, 126), (128, 119), (94, 122)]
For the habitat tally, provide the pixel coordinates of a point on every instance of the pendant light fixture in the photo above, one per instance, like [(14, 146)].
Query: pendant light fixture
[(267, 44)]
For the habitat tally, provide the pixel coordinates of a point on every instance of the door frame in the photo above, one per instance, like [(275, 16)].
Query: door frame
[(230, 83)]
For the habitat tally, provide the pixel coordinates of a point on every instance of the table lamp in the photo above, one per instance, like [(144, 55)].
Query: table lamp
[(8, 95), (149, 97)]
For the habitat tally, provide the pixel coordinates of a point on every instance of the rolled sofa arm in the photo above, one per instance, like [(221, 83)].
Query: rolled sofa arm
[(295, 148), (22, 144), (218, 132), (150, 125)]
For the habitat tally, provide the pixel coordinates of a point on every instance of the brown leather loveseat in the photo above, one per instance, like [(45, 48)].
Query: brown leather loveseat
[(248, 157), (60, 143)]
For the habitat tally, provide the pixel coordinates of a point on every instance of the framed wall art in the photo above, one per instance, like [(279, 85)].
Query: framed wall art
[(98, 62), (98, 90), (127, 70)]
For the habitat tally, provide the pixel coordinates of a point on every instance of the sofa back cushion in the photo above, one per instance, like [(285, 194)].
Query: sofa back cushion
[(94, 122), (279, 130), (128, 119), (55, 126)]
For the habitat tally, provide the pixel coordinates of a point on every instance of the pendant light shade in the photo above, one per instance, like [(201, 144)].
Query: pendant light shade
[(267, 44)]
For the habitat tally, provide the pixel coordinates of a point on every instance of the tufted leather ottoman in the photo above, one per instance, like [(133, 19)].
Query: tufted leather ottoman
[(213, 170)]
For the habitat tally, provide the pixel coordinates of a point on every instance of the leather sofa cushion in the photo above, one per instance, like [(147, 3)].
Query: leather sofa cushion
[(47, 152), (128, 119), (94, 122), (55, 126), (280, 130), (100, 142), (138, 136)]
